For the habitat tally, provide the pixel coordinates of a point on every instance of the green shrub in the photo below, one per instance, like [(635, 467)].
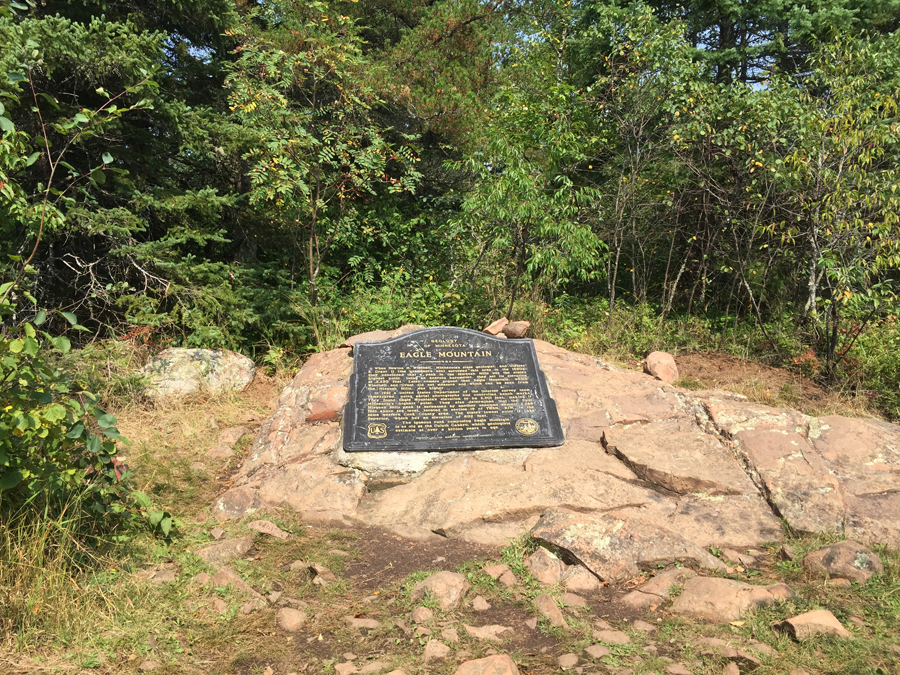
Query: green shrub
[(55, 440)]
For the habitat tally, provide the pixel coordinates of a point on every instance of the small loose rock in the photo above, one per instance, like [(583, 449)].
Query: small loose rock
[(447, 587), (567, 661), (544, 566), (436, 651), (225, 551), (486, 632), (479, 604), (548, 608), (612, 637), (269, 528), (289, 619), (597, 651), (421, 615), (810, 624), (499, 664), (361, 623)]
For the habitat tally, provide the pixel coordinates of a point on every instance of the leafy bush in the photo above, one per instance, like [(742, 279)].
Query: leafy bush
[(55, 439)]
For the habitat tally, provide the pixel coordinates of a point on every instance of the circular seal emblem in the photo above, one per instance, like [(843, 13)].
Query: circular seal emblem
[(527, 426)]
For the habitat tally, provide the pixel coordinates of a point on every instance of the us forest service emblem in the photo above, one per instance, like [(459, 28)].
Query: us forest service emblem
[(527, 426), (379, 430)]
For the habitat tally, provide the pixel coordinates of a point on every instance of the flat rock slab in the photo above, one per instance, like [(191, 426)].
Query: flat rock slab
[(846, 559), (225, 551), (679, 472), (678, 456), (721, 600), (498, 664), (267, 527), (616, 548), (493, 632), (658, 589)]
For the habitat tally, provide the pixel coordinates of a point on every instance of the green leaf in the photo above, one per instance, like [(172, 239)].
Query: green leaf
[(6, 124), (55, 413), (16, 77), (107, 158), (10, 479), (71, 318), (166, 525), (15, 346), (142, 499), (106, 420), (62, 344), (32, 158), (76, 430), (40, 318), (31, 346), (111, 432), (19, 6), (155, 517)]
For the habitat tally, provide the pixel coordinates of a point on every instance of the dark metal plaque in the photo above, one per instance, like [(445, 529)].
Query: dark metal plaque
[(448, 389)]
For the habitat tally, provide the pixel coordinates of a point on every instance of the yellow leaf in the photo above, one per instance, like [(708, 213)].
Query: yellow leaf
[(738, 623)]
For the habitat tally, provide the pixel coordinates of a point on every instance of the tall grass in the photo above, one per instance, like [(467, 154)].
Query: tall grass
[(45, 553)]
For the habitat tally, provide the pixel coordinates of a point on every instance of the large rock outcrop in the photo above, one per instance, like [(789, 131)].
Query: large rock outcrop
[(641, 457)]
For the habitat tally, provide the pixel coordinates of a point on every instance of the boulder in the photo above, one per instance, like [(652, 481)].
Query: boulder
[(720, 600), (498, 664), (497, 326), (846, 559), (516, 329), (179, 372), (448, 588), (811, 624), (661, 365), (379, 335)]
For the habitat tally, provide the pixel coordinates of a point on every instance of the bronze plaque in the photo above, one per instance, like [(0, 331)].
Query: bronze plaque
[(448, 389)]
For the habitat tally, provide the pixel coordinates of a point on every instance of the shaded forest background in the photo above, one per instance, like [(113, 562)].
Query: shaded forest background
[(271, 176)]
